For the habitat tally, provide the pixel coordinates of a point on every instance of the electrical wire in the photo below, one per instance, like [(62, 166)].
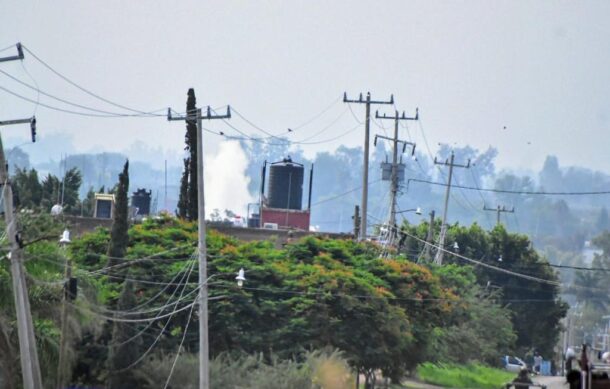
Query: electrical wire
[(476, 184), (8, 47), (51, 107), (171, 372), (82, 88), (343, 194), (35, 83), (40, 92), (480, 263), (154, 343), (516, 192), (318, 115)]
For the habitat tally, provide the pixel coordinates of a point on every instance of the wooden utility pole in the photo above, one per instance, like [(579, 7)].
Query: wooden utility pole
[(498, 210), (365, 172), (438, 259), (28, 355), (394, 176), (204, 351)]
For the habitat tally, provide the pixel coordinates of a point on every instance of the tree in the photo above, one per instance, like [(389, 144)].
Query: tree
[(191, 146), (187, 202), (182, 211), (602, 222), (88, 203), (124, 349), (70, 187), (119, 238), (27, 188), (551, 178), (50, 191)]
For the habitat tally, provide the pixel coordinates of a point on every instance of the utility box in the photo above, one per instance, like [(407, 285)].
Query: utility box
[(386, 171), (104, 206)]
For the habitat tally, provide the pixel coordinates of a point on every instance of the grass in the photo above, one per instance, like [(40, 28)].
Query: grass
[(459, 376)]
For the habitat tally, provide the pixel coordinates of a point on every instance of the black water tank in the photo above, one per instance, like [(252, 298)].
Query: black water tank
[(141, 200), (285, 185)]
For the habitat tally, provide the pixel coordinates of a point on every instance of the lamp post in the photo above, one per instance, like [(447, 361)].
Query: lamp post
[(240, 277), (416, 210), (64, 242)]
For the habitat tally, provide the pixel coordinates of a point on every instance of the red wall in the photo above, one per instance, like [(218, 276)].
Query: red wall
[(286, 218)]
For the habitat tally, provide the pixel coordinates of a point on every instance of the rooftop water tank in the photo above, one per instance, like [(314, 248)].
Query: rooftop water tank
[(141, 200), (285, 185)]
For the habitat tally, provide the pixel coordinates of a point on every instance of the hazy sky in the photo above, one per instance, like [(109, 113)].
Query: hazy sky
[(539, 68)]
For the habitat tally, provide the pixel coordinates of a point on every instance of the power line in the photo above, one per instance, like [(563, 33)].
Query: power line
[(40, 92), (150, 114), (82, 88), (523, 192)]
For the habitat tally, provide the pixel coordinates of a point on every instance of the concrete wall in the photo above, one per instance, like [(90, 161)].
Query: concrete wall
[(79, 225)]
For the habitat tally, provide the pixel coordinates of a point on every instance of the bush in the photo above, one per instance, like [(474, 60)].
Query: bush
[(471, 376), (317, 370)]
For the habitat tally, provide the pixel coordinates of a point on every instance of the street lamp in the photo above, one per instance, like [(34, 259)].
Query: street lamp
[(456, 246), (240, 277), (64, 241), (500, 258), (416, 210)]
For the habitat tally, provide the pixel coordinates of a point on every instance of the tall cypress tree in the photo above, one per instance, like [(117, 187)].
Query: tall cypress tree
[(187, 202), (118, 235), (191, 146), (125, 347), (184, 187)]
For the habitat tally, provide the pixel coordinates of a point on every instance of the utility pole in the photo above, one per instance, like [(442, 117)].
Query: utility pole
[(17, 57), (450, 162), (30, 366), (204, 351), (365, 172), (498, 210), (61, 369), (28, 355), (394, 176)]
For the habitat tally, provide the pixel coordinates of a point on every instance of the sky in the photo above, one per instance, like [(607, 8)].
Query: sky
[(527, 77)]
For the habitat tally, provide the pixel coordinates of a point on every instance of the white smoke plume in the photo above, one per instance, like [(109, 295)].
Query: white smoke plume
[(226, 182)]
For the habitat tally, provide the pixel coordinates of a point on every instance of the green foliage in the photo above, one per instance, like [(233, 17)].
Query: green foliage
[(471, 376), (88, 204), (191, 147), (182, 211), (383, 314), (27, 189), (317, 370), (537, 324), (124, 349), (119, 234)]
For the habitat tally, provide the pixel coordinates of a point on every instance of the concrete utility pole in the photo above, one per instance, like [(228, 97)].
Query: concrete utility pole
[(30, 366), (17, 57), (365, 172), (498, 210), (204, 351), (28, 355), (394, 177), (439, 254)]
